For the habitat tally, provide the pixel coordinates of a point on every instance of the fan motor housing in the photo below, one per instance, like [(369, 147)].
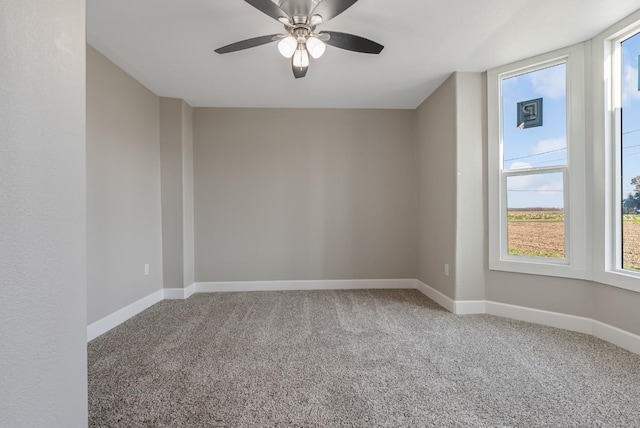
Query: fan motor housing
[(297, 7)]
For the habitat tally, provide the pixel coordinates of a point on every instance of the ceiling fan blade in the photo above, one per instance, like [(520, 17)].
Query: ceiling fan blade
[(299, 72), (352, 42), (329, 9), (269, 8), (249, 43)]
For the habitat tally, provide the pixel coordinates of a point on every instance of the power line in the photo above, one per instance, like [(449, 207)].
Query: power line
[(536, 190), (537, 154), (559, 150), (549, 161)]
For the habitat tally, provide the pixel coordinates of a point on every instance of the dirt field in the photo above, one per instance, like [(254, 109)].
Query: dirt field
[(631, 246), (541, 234), (536, 238)]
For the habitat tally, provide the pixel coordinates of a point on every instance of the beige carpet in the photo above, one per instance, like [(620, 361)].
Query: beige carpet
[(351, 358)]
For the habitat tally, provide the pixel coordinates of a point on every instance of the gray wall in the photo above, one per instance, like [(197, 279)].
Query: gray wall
[(176, 143), (43, 381), (187, 196), (123, 189), (435, 122), (172, 214), (610, 305), (304, 194), (471, 237), (616, 307), (359, 194)]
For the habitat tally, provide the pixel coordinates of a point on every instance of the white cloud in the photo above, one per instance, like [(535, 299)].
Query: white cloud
[(541, 148), (550, 144), (550, 82), (630, 89), (535, 190), (536, 182), (519, 165)]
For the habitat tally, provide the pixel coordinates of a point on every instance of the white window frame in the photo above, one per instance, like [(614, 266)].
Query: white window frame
[(574, 264), (607, 252)]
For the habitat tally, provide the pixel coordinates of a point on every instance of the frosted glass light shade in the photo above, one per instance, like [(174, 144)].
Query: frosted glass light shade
[(288, 46), (301, 58), (316, 47)]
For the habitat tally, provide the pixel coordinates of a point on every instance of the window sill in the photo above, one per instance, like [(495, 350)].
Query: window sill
[(620, 279), (538, 268)]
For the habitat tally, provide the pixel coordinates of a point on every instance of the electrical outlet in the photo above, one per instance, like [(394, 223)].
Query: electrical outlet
[(146, 269), (446, 269)]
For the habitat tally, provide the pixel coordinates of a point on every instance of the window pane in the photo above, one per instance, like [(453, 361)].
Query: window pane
[(534, 119), (535, 215), (630, 154)]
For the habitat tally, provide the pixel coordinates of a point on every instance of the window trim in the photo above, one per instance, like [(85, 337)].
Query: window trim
[(574, 265), (607, 157)]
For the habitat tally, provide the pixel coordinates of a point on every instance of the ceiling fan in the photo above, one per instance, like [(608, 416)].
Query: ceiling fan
[(300, 39)]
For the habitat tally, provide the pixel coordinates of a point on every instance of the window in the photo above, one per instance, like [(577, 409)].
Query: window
[(536, 166), (534, 145), (538, 173), (616, 162), (626, 142)]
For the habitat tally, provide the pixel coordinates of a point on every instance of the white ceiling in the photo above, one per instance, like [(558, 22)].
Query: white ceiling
[(168, 46)]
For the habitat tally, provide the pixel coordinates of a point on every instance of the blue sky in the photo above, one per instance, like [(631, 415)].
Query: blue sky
[(543, 146), (630, 114)]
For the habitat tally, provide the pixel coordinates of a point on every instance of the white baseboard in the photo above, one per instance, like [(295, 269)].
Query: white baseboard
[(617, 336), (606, 332), (538, 316), (458, 307), (174, 293), (190, 290), (614, 335), (350, 284), (105, 324), (179, 293), (435, 295), (469, 307), (115, 319)]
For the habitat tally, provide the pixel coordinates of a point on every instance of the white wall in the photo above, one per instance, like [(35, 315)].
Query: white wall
[(304, 194), (124, 230), (43, 381)]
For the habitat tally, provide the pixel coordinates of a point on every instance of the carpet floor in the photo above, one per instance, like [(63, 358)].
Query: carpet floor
[(352, 358)]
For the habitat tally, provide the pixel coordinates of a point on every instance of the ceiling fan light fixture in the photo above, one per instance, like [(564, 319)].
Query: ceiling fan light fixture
[(288, 46), (316, 47), (315, 20), (301, 57)]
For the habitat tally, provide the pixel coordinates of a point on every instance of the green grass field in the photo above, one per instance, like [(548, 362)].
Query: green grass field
[(537, 216), (631, 218)]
